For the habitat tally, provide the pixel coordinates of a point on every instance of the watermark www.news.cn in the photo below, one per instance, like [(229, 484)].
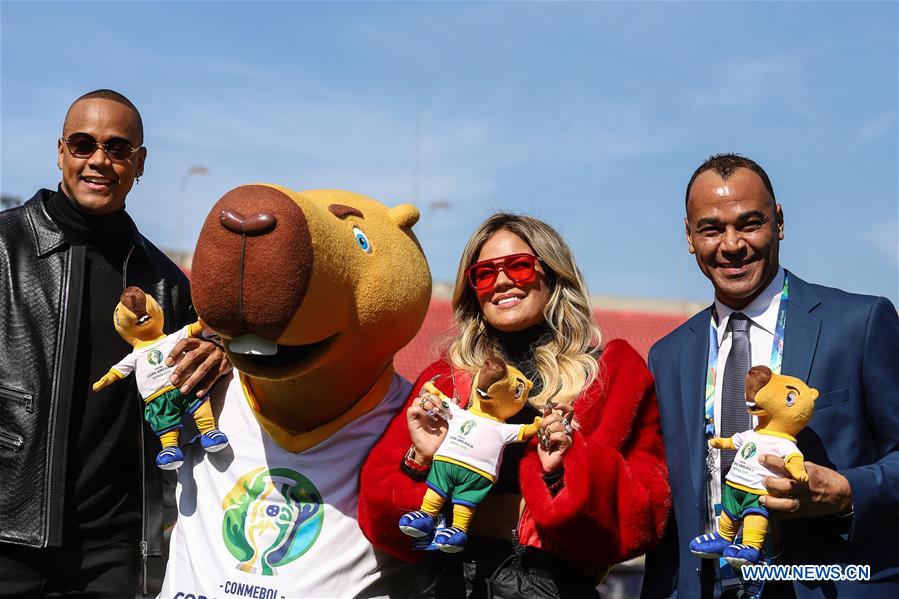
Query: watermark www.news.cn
[(850, 572)]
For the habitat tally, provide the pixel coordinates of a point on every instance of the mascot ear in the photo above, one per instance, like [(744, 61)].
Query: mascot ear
[(404, 215)]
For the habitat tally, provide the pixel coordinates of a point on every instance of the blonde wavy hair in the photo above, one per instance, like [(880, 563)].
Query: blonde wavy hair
[(567, 362)]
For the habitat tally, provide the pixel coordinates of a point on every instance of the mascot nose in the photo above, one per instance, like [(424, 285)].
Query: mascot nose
[(253, 262), (257, 224)]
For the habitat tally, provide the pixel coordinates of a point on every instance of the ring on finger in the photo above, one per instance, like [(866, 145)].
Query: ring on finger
[(795, 507), (568, 429), (543, 439)]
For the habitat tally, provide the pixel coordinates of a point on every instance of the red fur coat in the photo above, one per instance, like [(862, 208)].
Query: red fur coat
[(615, 498)]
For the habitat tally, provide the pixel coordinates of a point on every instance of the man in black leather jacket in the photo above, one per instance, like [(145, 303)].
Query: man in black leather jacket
[(80, 497)]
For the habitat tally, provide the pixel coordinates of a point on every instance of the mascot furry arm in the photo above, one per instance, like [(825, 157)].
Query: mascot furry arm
[(615, 499)]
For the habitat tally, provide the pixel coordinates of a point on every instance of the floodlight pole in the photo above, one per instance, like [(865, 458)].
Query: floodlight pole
[(194, 170)]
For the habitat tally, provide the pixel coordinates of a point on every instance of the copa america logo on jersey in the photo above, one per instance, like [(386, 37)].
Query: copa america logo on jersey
[(272, 517), (467, 427), (154, 357), (748, 450)]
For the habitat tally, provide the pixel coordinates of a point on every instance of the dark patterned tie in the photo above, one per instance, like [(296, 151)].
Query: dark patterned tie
[(734, 417)]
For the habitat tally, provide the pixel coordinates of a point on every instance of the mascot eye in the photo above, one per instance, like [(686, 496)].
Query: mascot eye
[(362, 240), (791, 399), (519, 390)]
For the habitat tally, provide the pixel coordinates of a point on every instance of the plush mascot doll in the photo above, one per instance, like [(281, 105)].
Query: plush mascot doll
[(138, 320), (313, 293), (783, 406), (467, 462)]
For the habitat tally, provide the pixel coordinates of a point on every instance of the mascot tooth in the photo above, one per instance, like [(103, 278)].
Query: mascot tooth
[(313, 293)]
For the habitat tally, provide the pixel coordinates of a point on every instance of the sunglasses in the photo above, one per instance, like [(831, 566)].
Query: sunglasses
[(521, 268), (83, 145)]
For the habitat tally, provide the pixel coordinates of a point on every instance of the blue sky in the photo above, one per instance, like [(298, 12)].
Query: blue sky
[(591, 116)]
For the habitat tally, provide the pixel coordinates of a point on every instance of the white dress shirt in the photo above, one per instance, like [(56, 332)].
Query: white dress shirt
[(762, 315)]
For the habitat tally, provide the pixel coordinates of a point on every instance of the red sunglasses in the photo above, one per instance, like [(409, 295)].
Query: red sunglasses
[(521, 268)]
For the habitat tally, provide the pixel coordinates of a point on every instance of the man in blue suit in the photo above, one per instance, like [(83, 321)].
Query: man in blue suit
[(845, 345)]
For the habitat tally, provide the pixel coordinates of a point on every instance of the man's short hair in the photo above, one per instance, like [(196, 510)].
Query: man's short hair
[(109, 94), (724, 166)]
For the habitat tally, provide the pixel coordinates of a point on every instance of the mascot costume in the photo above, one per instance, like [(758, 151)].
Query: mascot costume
[(313, 293)]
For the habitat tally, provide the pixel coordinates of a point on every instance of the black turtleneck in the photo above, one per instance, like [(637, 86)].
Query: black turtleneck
[(519, 348), (111, 233), (103, 468)]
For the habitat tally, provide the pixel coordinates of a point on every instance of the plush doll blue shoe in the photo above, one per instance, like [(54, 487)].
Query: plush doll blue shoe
[(170, 458), (214, 440), (741, 555), (417, 524), (450, 540), (709, 545)]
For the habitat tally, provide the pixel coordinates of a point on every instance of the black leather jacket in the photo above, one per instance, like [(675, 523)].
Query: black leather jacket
[(41, 280)]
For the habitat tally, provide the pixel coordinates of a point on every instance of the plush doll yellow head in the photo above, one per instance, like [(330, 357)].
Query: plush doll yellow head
[(313, 293), (499, 390), (137, 317), (783, 404)]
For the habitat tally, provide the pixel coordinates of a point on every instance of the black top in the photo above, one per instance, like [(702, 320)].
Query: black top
[(104, 457), (519, 348)]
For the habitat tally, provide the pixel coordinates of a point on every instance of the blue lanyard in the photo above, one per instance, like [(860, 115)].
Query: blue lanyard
[(777, 353), (727, 575)]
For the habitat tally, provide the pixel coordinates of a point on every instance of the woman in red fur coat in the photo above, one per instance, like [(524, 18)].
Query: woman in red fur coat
[(591, 492)]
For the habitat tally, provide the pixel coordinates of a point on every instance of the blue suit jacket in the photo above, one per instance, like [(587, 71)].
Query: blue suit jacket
[(846, 346)]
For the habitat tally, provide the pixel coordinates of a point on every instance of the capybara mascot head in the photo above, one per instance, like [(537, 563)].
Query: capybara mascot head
[(313, 293)]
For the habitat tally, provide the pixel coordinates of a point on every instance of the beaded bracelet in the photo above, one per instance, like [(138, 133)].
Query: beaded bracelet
[(555, 481), (412, 468)]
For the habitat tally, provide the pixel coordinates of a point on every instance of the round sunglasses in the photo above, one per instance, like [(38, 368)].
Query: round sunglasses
[(83, 145), (521, 268)]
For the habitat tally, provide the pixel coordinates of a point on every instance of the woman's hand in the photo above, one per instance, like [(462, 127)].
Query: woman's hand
[(554, 436), (426, 425)]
